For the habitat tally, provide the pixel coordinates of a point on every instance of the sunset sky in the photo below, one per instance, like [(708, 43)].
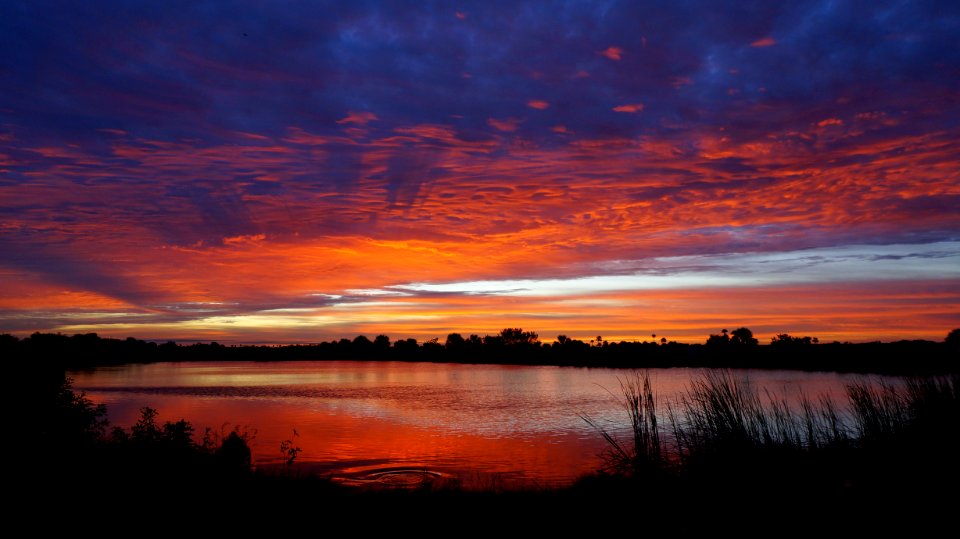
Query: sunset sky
[(276, 172)]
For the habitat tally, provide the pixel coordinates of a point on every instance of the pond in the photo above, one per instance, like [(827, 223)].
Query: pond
[(363, 421)]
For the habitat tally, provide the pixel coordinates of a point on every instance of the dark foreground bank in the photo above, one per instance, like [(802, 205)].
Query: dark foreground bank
[(726, 460)]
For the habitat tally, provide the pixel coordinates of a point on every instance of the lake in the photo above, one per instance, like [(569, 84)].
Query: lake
[(398, 422)]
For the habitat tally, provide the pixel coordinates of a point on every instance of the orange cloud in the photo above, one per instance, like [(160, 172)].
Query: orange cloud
[(632, 107), (830, 312), (764, 42), (440, 208), (251, 238), (538, 104), (829, 121), (613, 53)]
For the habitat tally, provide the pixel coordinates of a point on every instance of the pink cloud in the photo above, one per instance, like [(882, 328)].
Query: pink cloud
[(251, 136), (537, 104), (509, 125), (359, 118), (632, 107), (830, 121), (765, 42), (613, 53), (299, 136)]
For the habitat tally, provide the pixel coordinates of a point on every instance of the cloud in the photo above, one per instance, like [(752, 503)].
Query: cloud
[(613, 53), (359, 118), (632, 107), (137, 181), (507, 125), (764, 42), (250, 238)]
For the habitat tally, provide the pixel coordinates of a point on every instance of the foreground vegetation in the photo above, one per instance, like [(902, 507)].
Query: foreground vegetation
[(723, 426), (725, 455)]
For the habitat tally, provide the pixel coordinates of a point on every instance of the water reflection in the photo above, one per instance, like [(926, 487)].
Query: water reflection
[(402, 422)]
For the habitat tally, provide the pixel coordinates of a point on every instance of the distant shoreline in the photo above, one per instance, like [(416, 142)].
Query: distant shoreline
[(898, 358)]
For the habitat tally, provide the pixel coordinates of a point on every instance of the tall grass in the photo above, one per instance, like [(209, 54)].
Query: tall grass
[(924, 408), (645, 451), (723, 416), (723, 411)]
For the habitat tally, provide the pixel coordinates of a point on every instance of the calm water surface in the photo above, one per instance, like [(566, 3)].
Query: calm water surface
[(363, 421)]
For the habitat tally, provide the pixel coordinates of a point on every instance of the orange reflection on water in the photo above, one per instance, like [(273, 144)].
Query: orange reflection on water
[(478, 423)]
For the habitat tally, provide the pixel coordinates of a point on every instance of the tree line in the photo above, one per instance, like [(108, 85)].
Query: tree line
[(737, 349)]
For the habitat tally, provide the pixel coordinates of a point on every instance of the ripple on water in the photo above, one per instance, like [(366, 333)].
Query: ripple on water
[(400, 477)]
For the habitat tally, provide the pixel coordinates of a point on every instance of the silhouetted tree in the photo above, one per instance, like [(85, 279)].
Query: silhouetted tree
[(431, 349), (234, 452), (381, 343), (785, 339), (406, 347), (953, 340), (454, 342), (716, 341), (743, 337), (517, 336), (492, 341), (68, 417), (360, 347), (146, 431)]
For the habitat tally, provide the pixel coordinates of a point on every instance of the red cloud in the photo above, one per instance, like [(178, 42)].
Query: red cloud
[(765, 42), (632, 107), (613, 53), (537, 104), (250, 238), (830, 121), (475, 208)]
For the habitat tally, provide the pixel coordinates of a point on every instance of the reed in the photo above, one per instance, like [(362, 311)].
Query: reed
[(723, 418), (645, 451)]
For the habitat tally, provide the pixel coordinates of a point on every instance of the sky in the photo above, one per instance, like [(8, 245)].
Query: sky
[(274, 172)]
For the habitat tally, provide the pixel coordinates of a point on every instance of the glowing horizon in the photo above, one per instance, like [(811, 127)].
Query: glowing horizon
[(326, 171)]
